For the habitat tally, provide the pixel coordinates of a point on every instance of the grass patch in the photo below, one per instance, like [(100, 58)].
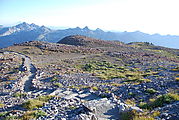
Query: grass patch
[(106, 70), (116, 84), (54, 79), (18, 94), (175, 69), (33, 115), (2, 114), (151, 91), (143, 118), (36, 103), (156, 113), (94, 88), (58, 84), (33, 103), (11, 118), (1, 105), (177, 78), (45, 98), (134, 115), (160, 101), (130, 102), (137, 79)]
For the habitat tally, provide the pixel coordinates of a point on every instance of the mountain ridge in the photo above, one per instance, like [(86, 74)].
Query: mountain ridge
[(28, 32)]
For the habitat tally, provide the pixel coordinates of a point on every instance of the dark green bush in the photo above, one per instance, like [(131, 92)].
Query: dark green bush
[(160, 101)]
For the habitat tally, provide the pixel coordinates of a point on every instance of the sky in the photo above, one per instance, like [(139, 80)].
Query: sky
[(149, 16)]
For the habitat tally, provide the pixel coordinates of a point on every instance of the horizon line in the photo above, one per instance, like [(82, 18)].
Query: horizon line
[(68, 27)]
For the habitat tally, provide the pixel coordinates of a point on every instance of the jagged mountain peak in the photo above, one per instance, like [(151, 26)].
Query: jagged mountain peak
[(26, 26), (24, 32), (23, 24), (77, 28), (86, 28), (21, 33), (99, 30), (45, 29)]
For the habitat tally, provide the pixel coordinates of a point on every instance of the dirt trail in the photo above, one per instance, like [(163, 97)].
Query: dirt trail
[(26, 81)]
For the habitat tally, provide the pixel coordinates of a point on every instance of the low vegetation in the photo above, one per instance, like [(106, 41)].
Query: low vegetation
[(106, 70), (175, 69), (1, 105), (130, 102), (58, 84), (134, 115), (94, 88), (32, 115), (151, 91), (33, 103), (177, 78), (18, 94), (160, 101), (36, 103)]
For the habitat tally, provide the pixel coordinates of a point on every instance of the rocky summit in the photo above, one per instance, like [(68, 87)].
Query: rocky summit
[(79, 40), (82, 78)]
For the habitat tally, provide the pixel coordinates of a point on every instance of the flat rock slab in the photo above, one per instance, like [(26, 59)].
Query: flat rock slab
[(70, 96), (104, 109), (56, 92)]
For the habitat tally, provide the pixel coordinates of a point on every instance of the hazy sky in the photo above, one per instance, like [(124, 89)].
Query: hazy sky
[(150, 16)]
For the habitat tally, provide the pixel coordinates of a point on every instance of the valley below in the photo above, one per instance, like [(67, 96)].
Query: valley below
[(82, 78)]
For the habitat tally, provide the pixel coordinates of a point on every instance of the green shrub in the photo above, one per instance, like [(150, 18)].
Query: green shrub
[(94, 88), (144, 80), (74, 87), (131, 94), (33, 103), (88, 67), (2, 114), (33, 115), (18, 94), (116, 84), (39, 113), (130, 102), (1, 105), (11, 117), (137, 79), (143, 105), (175, 69), (54, 79), (106, 70), (134, 115), (36, 103), (143, 118), (58, 84), (151, 91), (177, 78), (160, 101), (45, 98), (128, 115), (155, 113)]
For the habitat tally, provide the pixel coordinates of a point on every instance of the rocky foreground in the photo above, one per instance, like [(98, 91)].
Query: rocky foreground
[(94, 80)]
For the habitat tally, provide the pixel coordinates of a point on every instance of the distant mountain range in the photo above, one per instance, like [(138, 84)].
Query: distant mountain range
[(29, 32)]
